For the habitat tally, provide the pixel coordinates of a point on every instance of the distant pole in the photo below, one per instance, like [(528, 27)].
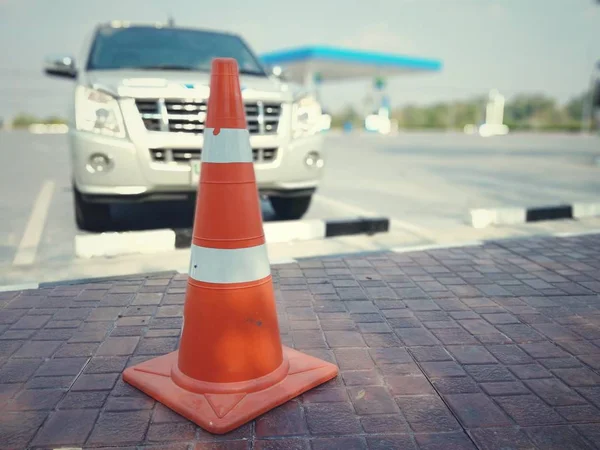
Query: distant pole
[(586, 114), (171, 21), (310, 82), (317, 81), (588, 101), (380, 89), (588, 107)]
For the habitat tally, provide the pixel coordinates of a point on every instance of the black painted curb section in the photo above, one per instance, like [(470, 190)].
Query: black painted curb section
[(183, 237), (333, 228), (481, 218), (345, 227), (549, 213)]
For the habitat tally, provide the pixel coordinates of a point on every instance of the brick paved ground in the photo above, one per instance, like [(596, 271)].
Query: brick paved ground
[(481, 347)]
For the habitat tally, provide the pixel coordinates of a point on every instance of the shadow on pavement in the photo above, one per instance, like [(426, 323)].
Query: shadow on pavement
[(159, 215)]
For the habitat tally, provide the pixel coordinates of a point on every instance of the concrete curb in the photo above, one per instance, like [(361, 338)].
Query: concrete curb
[(282, 262), (481, 218), (19, 287), (120, 243), (304, 230), (152, 241)]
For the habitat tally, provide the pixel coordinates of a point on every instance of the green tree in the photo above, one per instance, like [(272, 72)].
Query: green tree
[(349, 114), (24, 120), (468, 112), (523, 107), (55, 120), (574, 107), (522, 112), (411, 116)]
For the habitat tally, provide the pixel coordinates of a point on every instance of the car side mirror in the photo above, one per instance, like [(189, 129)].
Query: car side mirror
[(277, 71), (63, 66)]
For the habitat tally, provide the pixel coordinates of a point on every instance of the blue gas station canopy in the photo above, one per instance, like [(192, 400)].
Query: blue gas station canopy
[(331, 63)]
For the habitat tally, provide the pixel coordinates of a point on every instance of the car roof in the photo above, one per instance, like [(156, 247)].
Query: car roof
[(160, 25)]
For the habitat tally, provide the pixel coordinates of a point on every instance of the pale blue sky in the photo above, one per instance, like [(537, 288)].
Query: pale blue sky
[(513, 45)]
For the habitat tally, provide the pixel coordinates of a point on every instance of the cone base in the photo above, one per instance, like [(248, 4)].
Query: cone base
[(221, 413)]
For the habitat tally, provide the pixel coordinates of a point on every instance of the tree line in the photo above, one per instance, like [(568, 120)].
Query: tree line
[(25, 120), (536, 112)]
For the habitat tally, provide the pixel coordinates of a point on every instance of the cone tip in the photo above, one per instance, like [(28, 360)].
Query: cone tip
[(224, 66), (225, 104)]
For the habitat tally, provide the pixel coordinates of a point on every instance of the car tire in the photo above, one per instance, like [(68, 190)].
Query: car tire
[(90, 216), (290, 208)]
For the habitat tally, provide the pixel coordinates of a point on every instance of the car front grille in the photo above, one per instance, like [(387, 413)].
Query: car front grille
[(184, 155), (188, 116)]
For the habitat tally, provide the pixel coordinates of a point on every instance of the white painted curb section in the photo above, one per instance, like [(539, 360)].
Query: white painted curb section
[(19, 287), (294, 230), (113, 244), (481, 218), (581, 210)]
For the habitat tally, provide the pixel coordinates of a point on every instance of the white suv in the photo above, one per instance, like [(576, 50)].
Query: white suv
[(138, 112)]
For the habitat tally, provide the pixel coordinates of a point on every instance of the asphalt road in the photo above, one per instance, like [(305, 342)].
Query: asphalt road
[(426, 183), (435, 176)]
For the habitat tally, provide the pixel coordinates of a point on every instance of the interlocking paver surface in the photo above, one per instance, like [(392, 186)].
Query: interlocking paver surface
[(485, 347)]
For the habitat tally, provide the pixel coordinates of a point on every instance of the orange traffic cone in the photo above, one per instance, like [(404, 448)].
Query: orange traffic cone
[(230, 366)]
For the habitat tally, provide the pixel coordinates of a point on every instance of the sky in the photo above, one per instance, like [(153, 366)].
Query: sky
[(516, 46)]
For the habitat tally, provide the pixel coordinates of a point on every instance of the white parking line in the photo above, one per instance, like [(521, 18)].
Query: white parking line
[(27, 249)]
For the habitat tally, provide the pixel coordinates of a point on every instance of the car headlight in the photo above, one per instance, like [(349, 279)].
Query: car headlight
[(98, 112), (306, 116)]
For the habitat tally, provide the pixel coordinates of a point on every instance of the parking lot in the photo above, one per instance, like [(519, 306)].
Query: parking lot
[(425, 183)]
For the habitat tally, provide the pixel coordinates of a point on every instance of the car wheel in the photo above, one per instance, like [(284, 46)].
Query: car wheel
[(290, 208), (90, 216)]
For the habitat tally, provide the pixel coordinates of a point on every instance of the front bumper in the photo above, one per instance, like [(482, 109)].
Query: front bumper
[(132, 174)]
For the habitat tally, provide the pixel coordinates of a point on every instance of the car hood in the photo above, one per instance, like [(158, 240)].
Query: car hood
[(173, 84)]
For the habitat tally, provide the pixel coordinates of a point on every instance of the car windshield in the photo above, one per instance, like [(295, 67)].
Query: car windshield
[(167, 49)]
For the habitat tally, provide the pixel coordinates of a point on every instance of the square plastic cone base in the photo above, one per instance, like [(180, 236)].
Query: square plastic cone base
[(221, 413)]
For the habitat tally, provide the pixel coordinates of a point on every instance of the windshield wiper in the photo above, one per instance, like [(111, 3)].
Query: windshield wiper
[(251, 72), (170, 67), (189, 69)]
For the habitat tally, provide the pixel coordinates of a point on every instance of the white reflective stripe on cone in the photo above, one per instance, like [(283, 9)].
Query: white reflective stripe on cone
[(231, 145), (239, 265)]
